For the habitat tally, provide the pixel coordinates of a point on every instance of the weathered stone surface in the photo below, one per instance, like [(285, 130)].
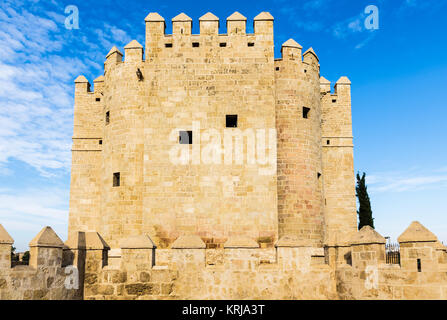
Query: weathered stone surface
[(416, 232), (305, 197), (5, 238), (47, 238), (137, 242), (240, 242), (188, 242), (367, 235)]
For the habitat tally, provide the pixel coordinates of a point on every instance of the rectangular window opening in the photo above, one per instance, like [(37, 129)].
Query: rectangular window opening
[(277, 68), (98, 99), (419, 265), (231, 121), (185, 137), (328, 142), (251, 44), (100, 141), (116, 179), (168, 45), (107, 117), (222, 44), (195, 44), (334, 100), (306, 112)]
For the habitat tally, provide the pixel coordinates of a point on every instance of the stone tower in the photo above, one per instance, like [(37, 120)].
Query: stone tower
[(298, 122), (207, 134)]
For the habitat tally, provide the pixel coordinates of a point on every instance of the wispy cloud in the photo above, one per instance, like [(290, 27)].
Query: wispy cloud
[(25, 214), (317, 16), (406, 181), (36, 85), (354, 26)]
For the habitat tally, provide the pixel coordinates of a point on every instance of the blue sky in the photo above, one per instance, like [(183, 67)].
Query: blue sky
[(398, 75)]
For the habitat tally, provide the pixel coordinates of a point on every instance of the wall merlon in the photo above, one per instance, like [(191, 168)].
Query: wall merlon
[(236, 24), (114, 56), (416, 232), (325, 85), (367, 235), (291, 51), (188, 242), (154, 17), (263, 23), (137, 242), (343, 86), (133, 52), (81, 85), (98, 84), (47, 238), (46, 249), (310, 56), (93, 241), (181, 25), (368, 248), (209, 24), (6, 242), (5, 238)]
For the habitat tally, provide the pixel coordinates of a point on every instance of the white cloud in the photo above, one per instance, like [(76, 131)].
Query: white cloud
[(36, 86), (25, 214), (406, 181)]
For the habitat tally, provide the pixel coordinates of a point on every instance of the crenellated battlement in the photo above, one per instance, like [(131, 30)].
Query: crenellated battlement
[(188, 269), (358, 269), (209, 23)]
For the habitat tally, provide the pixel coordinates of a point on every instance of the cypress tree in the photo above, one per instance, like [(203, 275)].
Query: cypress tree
[(364, 212)]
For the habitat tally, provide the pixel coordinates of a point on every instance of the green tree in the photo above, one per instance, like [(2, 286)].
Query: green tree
[(25, 257), (14, 257), (364, 212)]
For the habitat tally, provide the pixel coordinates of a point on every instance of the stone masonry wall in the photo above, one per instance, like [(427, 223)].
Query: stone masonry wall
[(242, 270), (43, 279)]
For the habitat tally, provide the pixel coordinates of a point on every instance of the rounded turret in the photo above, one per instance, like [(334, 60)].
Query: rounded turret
[(298, 120)]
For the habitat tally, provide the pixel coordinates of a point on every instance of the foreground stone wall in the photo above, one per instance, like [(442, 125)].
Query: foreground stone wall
[(188, 270), (44, 277), (243, 270), (239, 270), (422, 273)]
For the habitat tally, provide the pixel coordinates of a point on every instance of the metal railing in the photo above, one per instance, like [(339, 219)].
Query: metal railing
[(392, 251)]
